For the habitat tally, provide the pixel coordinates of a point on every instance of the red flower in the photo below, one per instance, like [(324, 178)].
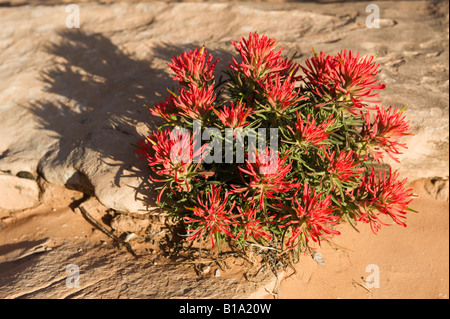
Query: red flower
[(267, 174), (259, 58), (317, 72), (193, 68), (382, 195), (210, 215), (358, 76), (252, 227), (234, 116), (382, 134), (309, 133), (343, 165), (344, 78), (171, 156), (166, 110), (312, 218), (195, 102), (281, 94)]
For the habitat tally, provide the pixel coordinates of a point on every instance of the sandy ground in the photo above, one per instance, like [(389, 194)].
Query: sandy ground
[(38, 244), (409, 262)]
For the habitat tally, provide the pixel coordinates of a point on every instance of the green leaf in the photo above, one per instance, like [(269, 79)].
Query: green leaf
[(412, 210)]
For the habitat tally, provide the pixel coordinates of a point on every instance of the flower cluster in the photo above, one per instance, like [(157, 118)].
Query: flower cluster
[(319, 168), (312, 218), (344, 78), (193, 68)]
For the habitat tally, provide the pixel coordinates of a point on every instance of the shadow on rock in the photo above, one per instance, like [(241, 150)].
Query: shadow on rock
[(95, 112)]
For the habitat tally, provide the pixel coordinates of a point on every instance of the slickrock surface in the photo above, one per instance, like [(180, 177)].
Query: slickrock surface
[(72, 104)]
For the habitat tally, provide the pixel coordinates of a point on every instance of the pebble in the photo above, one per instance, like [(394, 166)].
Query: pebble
[(206, 269)]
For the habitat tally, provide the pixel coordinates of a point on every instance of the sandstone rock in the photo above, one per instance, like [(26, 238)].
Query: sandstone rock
[(72, 99), (17, 193), (106, 273), (95, 208), (128, 224), (438, 188), (70, 107)]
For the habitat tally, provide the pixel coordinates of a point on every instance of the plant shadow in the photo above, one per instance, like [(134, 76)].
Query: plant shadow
[(95, 101)]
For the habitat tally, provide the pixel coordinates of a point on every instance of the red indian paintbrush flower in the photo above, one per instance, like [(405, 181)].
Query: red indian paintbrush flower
[(259, 58), (252, 227), (317, 74), (281, 94), (382, 133), (359, 77), (166, 110), (382, 195), (193, 67), (343, 165), (344, 78), (196, 103), (267, 174), (163, 161), (312, 218), (309, 133), (234, 116), (211, 215), (171, 156)]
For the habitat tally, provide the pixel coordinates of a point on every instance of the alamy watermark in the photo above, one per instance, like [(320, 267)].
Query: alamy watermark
[(373, 19), (73, 18), (73, 279), (231, 142), (373, 280)]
